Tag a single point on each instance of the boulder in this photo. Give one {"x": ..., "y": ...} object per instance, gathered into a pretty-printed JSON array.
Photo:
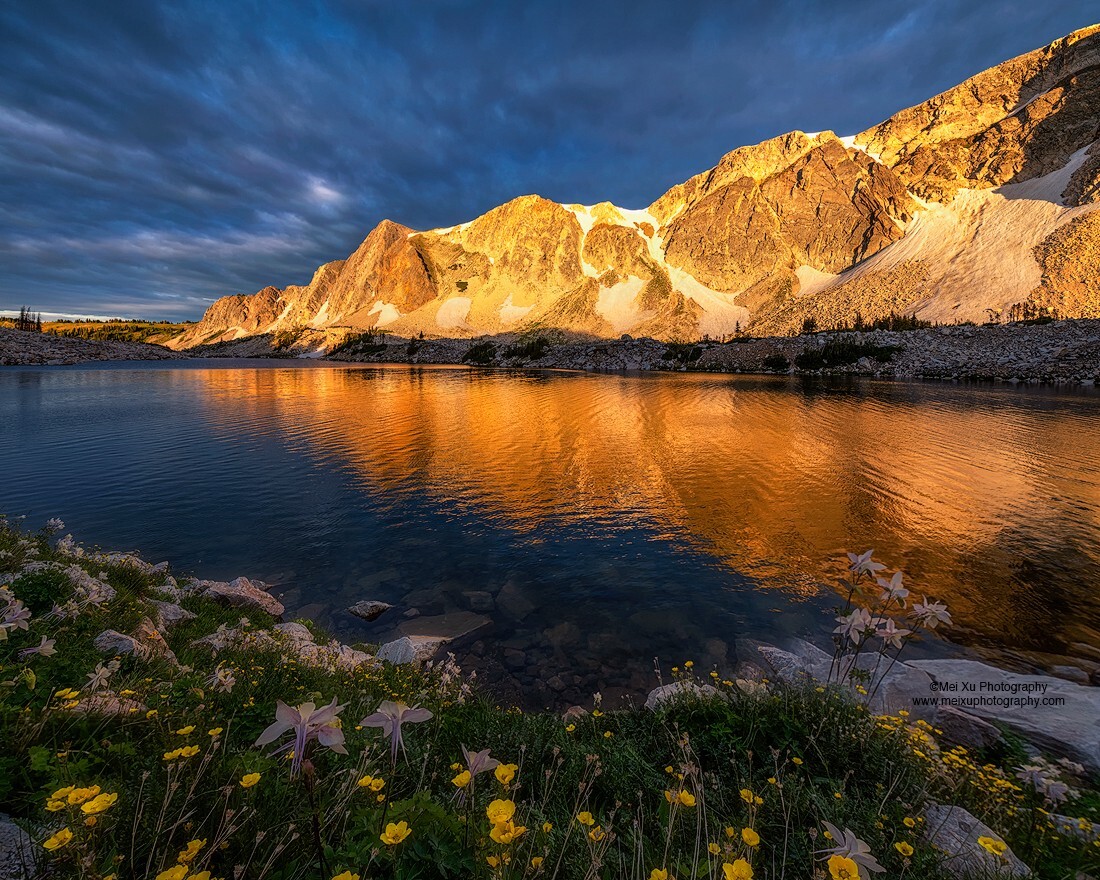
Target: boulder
[
  {"x": 1071, "y": 729},
  {"x": 452, "y": 627},
  {"x": 169, "y": 614},
  {"x": 966, "y": 730},
  {"x": 954, "y": 832},
  {"x": 479, "y": 600},
  {"x": 411, "y": 649},
  {"x": 112, "y": 643},
  {"x": 678, "y": 690},
  {"x": 243, "y": 593},
  {"x": 107, "y": 703},
  {"x": 17, "y": 852},
  {"x": 369, "y": 609}
]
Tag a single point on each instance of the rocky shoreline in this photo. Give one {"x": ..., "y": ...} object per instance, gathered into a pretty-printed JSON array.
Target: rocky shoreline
[
  {"x": 1058, "y": 352},
  {"x": 23, "y": 348}
]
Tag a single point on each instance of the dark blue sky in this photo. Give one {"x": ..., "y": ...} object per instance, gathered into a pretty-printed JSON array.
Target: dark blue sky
[{"x": 157, "y": 156}]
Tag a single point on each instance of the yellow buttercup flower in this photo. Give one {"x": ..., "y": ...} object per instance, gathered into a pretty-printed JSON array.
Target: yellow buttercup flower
[
  {"x": 249, "y": 780},
  {"x": 187, "y": 855},
  {"x": 909, "y": 822},
  {"x": 79, "y": 795},
  {"x": 54, "y": 806},
  {"x": 99, "y": 803},
  {"x": 507, "y": 832},
  {"x": 796, "y": 761},
  {"x": 395, "y": 833},
  {"x": 346, "y": 875},
  {"x": 739, "y": 870},
  {"x": 730, "y": 831},
  {"x": 492, "y": 861},
  {"x": 993, "y": 846},
  {"x": 178, "y": 872},
  {"x": 547, "y": 827},
  {"x": 215, "y": 731},
  {"x": 750, "y": 837},
  {"x": 462, "y": 779},
  {"x": 596, "y": 834},
  {"x": 536, "y": 862},
  {"x": 184, "y": 731},
  {"x": 713, "y": 848},
  {"x": 843, "y": 868},
  {"x": 202, "y": 875},
  {"x": 62, "y": 792},
  {"x": 904, "y": 848},
  {"x": 58, "y": 840},
  {"x": 658, "y": 874},
  {"x": 500, "y": 811},
  {"x": 569, "y": 728},
  {"x": 585, "y": 818},
  {"x": 746, "y": 795},
  {"x": 505, "y": 773}
]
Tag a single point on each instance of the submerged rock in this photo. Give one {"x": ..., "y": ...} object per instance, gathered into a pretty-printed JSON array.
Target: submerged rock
[{"x": 369, "y": 609}]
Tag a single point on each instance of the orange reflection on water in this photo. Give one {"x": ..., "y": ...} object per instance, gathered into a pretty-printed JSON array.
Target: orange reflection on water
[{"x": 982, "y": 496}]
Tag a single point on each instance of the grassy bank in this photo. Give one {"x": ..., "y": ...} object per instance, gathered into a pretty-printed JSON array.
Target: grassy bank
[{"x": 144, "y": 764}]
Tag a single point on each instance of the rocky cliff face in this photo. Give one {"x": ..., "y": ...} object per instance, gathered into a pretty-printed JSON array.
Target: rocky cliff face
[{"x": 953, "y": 210}]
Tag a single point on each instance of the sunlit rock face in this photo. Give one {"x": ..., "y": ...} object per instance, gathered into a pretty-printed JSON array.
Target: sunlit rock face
[{"x": 953, "y": 210}]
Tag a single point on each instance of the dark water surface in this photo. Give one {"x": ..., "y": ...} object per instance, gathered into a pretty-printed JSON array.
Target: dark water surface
[{"x": 611, "y": 519}]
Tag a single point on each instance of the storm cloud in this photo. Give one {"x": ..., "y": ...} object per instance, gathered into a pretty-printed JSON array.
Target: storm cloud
[{"x": 157, "y": 156}]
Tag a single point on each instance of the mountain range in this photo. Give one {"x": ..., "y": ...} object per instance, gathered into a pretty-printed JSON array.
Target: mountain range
[{"x": 967, "y": 206}]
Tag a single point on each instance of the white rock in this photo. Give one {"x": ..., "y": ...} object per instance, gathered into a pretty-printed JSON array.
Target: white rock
[
  {"x": 169, "y": 614},
  {"x": 243, "y": 593},
  {"x": 1071, "y": 729},
  {"x": 111, "y": 642},
  {"x": 17, "y": 852},
  {"x": 677, "y": 690},
  {"x": 954, "y": 832}
]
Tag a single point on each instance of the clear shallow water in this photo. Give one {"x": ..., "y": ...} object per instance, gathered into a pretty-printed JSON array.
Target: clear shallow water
[{"x": 613, "y": 518}]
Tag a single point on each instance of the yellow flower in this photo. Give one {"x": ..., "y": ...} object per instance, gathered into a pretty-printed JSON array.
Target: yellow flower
[
  {"x": 536, "y": 862},
  {"x": 908, "y": 822},
  {"x": 62, "y": 792},
  {"x": 585, "y": 818},
  {"x": 607, "y": 734},
  {"x": 175, "y": 873},
  {"x": 152, "y": 713},
  {"x": 687, "y": 798},
  {"x": 750, "y": 837},
  {"x": 772, "y": 780},
  {"x": 189, "y": 751},
  {"x": 66, "y": 694},
  {"x": 506, "y": 832},
  {"x": 658, "y": 874},
  {"x": 797, "y": 761},
  {"x": 547, "y": 827},
  {"x": 746, "y": 796},
  {"x": 394, "y": 834},
  {"x": 346, "y": 875},
  {"x": 843, "y": 868},
  {"x": 187, "y": 855},
  {"x": 993, "y": 846},
  {"x": 730, "y": 831},
  {"x": 492, "y": 861},
  {"x": 500, "y": 811},
  {"x": 58, "y": 840},
  {"x": 569, "y": 728},
  {"x": 837, "y": 795},
  {"x": 99, "y": 803},
  {"x": 54, "y": 806},
  {"x": 505, "y": 773},
  {"x": 904, "y": 848},
  {"x": 79, "y": 795},
  {"x": 596, "y": 834},
  {"x": 739, "y": 870},
  {"x": 184, "y": 731},
  {"x": 249, "y": 780},
  {"x": 215, "y": 731},
  {"x": 462, "y": 780},
  {"x": 202, "y": 875},
  {"x": 713, "y": 849}
]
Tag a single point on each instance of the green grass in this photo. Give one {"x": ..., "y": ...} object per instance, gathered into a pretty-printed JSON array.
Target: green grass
[{"x": 808, "y": 754}]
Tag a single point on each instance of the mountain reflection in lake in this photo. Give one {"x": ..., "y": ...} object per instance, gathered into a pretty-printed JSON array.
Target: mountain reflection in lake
[{"x": 583, "y": 525}]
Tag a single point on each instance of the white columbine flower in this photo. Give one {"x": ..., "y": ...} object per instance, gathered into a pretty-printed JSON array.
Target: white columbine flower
[
  {"x": 931, "y": 614},
  {"x": 862, "y": 563},
  {"x": 892, "y": 589}
]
